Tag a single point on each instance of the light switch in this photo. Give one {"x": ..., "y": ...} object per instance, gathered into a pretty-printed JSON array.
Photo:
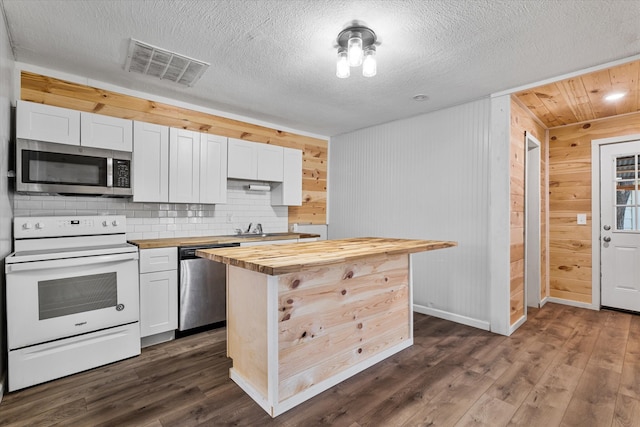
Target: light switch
[{"x": 582, "y": 219}]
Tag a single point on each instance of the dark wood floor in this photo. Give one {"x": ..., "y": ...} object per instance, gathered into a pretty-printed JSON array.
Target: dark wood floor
[{"x": 565, "y": 366}]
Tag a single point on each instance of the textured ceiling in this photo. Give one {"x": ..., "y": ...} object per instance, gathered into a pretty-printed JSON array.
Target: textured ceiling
[{"x": 274, "y": 60}]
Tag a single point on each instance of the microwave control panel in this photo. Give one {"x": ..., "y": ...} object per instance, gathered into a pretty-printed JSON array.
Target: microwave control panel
[{"x": 121, "y": 173}]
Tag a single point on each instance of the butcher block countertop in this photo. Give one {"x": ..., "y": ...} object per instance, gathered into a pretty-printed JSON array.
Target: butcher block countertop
[
  {"x": 209, "y": 240},
  {"x": 288, "y": 258}
]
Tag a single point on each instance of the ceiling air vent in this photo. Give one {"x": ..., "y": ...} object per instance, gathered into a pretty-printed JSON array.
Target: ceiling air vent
[{"x": 153, "y": 61}]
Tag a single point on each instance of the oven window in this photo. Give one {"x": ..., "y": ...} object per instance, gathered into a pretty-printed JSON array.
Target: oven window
[
  {"x": 56, "y": 168},
  {"x": 62, "y": 297}
]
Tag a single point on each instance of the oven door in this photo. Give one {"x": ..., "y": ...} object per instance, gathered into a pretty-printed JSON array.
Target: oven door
[{"x": 48, "y": 300}]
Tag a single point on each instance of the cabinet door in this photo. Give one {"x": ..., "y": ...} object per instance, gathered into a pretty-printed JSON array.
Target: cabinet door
[
  {"x": 112, "y": 133},
  {"x": 46, "y": 123},
  {"x": 158, "y": 302},
  {"x": 213, "y": 169},
  {"x": 150, "y": 163},
  {"x": 242, "y": 162},
  {"x": 289, "y": 191},
  {"x": 270, "y": 161},
  {"x": 184, "y": 166},
  {"x": 158, "y": 259}
]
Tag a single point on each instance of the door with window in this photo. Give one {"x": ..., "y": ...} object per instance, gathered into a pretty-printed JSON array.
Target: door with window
[{"x": 620, "y": 225}]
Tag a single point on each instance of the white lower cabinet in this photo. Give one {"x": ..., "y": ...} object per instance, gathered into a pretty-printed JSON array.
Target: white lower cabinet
[{"x": 158, "y": 293}]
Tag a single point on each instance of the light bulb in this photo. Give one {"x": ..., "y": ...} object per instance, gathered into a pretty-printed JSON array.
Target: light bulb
[
  {"x": 369, "y": 67},
  {"x": 354, "y": 49},
  {"x": 342, "y": 66}
]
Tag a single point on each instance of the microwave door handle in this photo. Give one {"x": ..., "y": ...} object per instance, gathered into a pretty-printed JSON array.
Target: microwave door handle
[
  {"x": 70, "y": 262},
  {"x": 110, "y": 172}
]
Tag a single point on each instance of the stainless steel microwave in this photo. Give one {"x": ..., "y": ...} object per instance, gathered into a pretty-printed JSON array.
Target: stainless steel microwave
[{"x": 47, "y": 167}]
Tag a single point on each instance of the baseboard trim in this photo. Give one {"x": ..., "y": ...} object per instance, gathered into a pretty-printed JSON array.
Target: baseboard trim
[
  {"x": 544, "y": 301},
  {"x": 516, "y": 325},
  {"x": 469, "y": 321},
  {"x": 573, "y": 303}
]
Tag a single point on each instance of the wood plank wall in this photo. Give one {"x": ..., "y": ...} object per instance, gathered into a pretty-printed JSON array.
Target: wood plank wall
[
  {"x": 569, "y": 194},
  {"x": 521, "y": 121},
  {"x": 52, "y": 91}
]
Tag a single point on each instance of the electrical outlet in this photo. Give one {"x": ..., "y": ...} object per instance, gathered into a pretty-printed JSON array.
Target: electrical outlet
[{"x": 582, "y": 219}]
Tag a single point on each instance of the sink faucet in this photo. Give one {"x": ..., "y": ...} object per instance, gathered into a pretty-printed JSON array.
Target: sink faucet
[
  {"x": 258, "y": 228},
  {"x": 249, "y": 228}
]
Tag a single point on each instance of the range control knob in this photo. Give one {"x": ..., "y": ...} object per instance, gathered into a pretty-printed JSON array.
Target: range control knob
[
  {"x": 26, "y": 226},
  {"x": 115, "y": 223},
  {"x": 105, "y": 223},
  {"x": 39, "y": 225}
]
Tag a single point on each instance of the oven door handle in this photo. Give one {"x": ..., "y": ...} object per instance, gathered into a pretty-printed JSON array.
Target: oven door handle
[{"x": 71, "y": 262}]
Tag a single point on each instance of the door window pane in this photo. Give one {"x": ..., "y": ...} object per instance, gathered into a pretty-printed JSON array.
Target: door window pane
[
  {"x": 625, "y": 218},
  {"x": 62, "y": 297},
  {"x": 626, "y": 190}
]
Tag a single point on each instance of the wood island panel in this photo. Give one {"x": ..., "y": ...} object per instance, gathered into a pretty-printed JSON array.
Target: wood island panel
[
  {"x": 334, "y": 318},
  {"x": 247, "y": 333},
  {"x": 302, "y": 317}
]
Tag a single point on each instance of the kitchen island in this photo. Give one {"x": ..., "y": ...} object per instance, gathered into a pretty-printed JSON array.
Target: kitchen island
[{"x": 303, "y": 317}]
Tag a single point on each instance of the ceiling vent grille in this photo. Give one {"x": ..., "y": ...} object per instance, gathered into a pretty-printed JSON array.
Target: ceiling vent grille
[{"x": 150, "y": 60}]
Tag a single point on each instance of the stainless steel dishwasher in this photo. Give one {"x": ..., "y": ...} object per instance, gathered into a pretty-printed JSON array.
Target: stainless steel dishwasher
[{"x": 202, "y": 287}]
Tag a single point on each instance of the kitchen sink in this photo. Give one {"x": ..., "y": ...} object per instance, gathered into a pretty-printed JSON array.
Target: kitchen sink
[{"x": 248, "y": 235}]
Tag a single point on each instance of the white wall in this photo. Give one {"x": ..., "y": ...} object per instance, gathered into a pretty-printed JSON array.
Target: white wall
[
  {"x": 6, "y": 98},
  {"x": 426, "y": 177}
]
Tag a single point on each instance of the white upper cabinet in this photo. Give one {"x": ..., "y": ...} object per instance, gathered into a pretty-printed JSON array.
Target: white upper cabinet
[
  {"x": 197, "y": 167},
  {"x": 54, "y": 124},
  {"x": 150, "y": 163},
  {"x": 108, "y": 132},
  {"x": 254, "y": 161},
  {"x": 184, "y": 166},
  {"x": 242, "y": 159},
  {"x": 46, "y": 123},
  {"x": 213, "y": 169},
  {"x": 289, "y": 191},
  {"x": 270, "y": 162}
]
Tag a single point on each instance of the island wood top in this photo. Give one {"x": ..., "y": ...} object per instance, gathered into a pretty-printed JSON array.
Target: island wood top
[
  {"x": 294, "y": 257},
  {"x": 210, "y": 240}
]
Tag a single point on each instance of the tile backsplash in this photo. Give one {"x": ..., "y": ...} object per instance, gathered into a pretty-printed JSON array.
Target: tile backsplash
[{"x": 158, "y": 220}]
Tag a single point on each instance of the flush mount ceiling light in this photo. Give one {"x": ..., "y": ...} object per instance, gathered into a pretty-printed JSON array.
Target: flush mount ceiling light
[
  {"x": 614, "y": 96},
  {"x": 356, "y": 47},
  {"x": 156, "y": 62}
]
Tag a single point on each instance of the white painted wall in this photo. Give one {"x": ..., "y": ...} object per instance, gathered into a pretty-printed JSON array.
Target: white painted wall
[
  {"x": 6, "y": 99},
  {"x": 425, "y": 177}
]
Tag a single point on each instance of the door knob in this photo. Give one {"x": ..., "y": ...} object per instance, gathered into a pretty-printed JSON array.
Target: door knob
[
  {"x": 607, "y": 239},
  {"x": 607, "y": 227}
]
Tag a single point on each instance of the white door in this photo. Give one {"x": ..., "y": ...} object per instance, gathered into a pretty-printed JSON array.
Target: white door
[{"x": 620, "y": 225}]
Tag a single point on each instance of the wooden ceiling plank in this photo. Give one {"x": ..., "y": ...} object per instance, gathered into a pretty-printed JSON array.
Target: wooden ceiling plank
[
  {"x": 552, "y": 97},
  {"x": 531, "y": 100},
  {"x": 576, "y": 98},
  {"x": 598, "y": 85},
  {"x": 623, "y": 78}
]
